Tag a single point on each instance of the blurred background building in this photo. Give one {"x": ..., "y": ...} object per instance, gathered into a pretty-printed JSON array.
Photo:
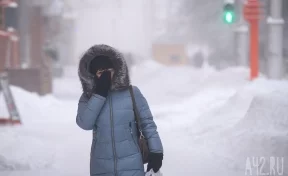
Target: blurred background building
[
  {"x": 199, "y": 24},
  {"x": 40, "y": 37},
  {"x": 45, "y": 41}
]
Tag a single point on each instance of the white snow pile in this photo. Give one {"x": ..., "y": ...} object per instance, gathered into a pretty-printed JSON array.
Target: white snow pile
[
  {"x": 252, "y": 123},
  {"x": 263, "y": 132},
  {"x": 29, "y": 146},
  {"x": 23, "y": 151}
]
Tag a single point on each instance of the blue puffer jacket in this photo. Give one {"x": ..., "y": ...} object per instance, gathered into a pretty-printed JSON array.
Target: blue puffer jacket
[{"x": 115, "y": 150}]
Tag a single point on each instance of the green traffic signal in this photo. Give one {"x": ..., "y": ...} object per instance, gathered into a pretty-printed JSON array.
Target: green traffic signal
[
  {"x": 229, "y": 13},
  {"x": 229, "y": 17}
]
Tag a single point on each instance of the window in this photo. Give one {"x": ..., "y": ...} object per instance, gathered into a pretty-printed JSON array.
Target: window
[
  {"x": 11, "y": 18},
  {"x": 1, "y": 18}
]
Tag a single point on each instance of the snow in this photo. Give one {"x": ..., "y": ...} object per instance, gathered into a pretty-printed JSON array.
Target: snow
[{"x": 209, "y": 121}]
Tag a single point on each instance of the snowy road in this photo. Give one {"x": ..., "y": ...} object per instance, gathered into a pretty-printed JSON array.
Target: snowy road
[{"x": 201, "y": 115}]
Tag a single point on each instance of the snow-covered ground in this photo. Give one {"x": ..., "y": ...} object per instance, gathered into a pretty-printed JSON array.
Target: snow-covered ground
[{"x": 210, "y": 123}]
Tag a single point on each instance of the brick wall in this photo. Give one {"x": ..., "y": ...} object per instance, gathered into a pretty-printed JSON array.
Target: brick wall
[{"x": 32, "y": 80}]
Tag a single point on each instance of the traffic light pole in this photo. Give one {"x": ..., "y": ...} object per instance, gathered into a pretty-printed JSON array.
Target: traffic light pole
[
  {"x": 252, "y": 15},
  {"x": 254, "y": 49}
]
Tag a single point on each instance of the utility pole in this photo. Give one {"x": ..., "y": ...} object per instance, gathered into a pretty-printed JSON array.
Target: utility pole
[
  {"x": 241, "y": 38},
  {"x": 275, "y": 46}
]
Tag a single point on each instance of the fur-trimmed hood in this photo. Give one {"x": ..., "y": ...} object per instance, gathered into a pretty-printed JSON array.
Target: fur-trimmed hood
[{"x": 120, "y": 79}]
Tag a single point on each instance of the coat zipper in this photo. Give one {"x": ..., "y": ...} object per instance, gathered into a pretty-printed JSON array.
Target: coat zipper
[
  {"x": 92, "y": 148},
  {"x": 93, "y": 142},
  {"x": 131, "y": 132},
  {"x": 112, "y": 135}
]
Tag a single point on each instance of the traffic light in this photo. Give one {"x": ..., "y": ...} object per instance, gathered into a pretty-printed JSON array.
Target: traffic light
[{"x": 229, "y": 12}]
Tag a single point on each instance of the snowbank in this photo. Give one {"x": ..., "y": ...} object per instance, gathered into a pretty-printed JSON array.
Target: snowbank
[
  {"x": 28, "y": 103},
  {"x": 252, "y": 123},
  {"x": 263, "y": 131},
  {"x": 22, "y": 150},
  {"x": 30, "y": 145},
  {"x": 243, "y": 99}
]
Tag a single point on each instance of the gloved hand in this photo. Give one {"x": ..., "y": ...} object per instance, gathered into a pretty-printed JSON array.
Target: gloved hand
[
  {"x": 155, "y": 162},
  {"x": 103, "y": 84}
]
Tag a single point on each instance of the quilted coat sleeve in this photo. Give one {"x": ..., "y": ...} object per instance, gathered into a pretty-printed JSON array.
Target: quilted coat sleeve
[
  {"x": 148, "y": 125},
  {"x": 88, "y": 111}
]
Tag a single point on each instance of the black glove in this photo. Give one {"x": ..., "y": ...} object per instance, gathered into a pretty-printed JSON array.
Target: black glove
[
  {"x": 103, "y": 84},
  {"x": 155, "y": 161}
]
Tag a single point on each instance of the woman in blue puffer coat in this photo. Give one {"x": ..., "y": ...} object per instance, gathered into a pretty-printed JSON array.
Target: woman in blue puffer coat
[{"x": 106, "y": 108}]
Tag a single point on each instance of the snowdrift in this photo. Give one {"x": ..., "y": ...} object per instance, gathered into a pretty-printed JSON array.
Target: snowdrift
[
  {"x": 263, "y": 132},
  {"x": 28, "y": 103},
  {"x": 252, "y": 123},
  {"x": 30, "y": 145}
]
